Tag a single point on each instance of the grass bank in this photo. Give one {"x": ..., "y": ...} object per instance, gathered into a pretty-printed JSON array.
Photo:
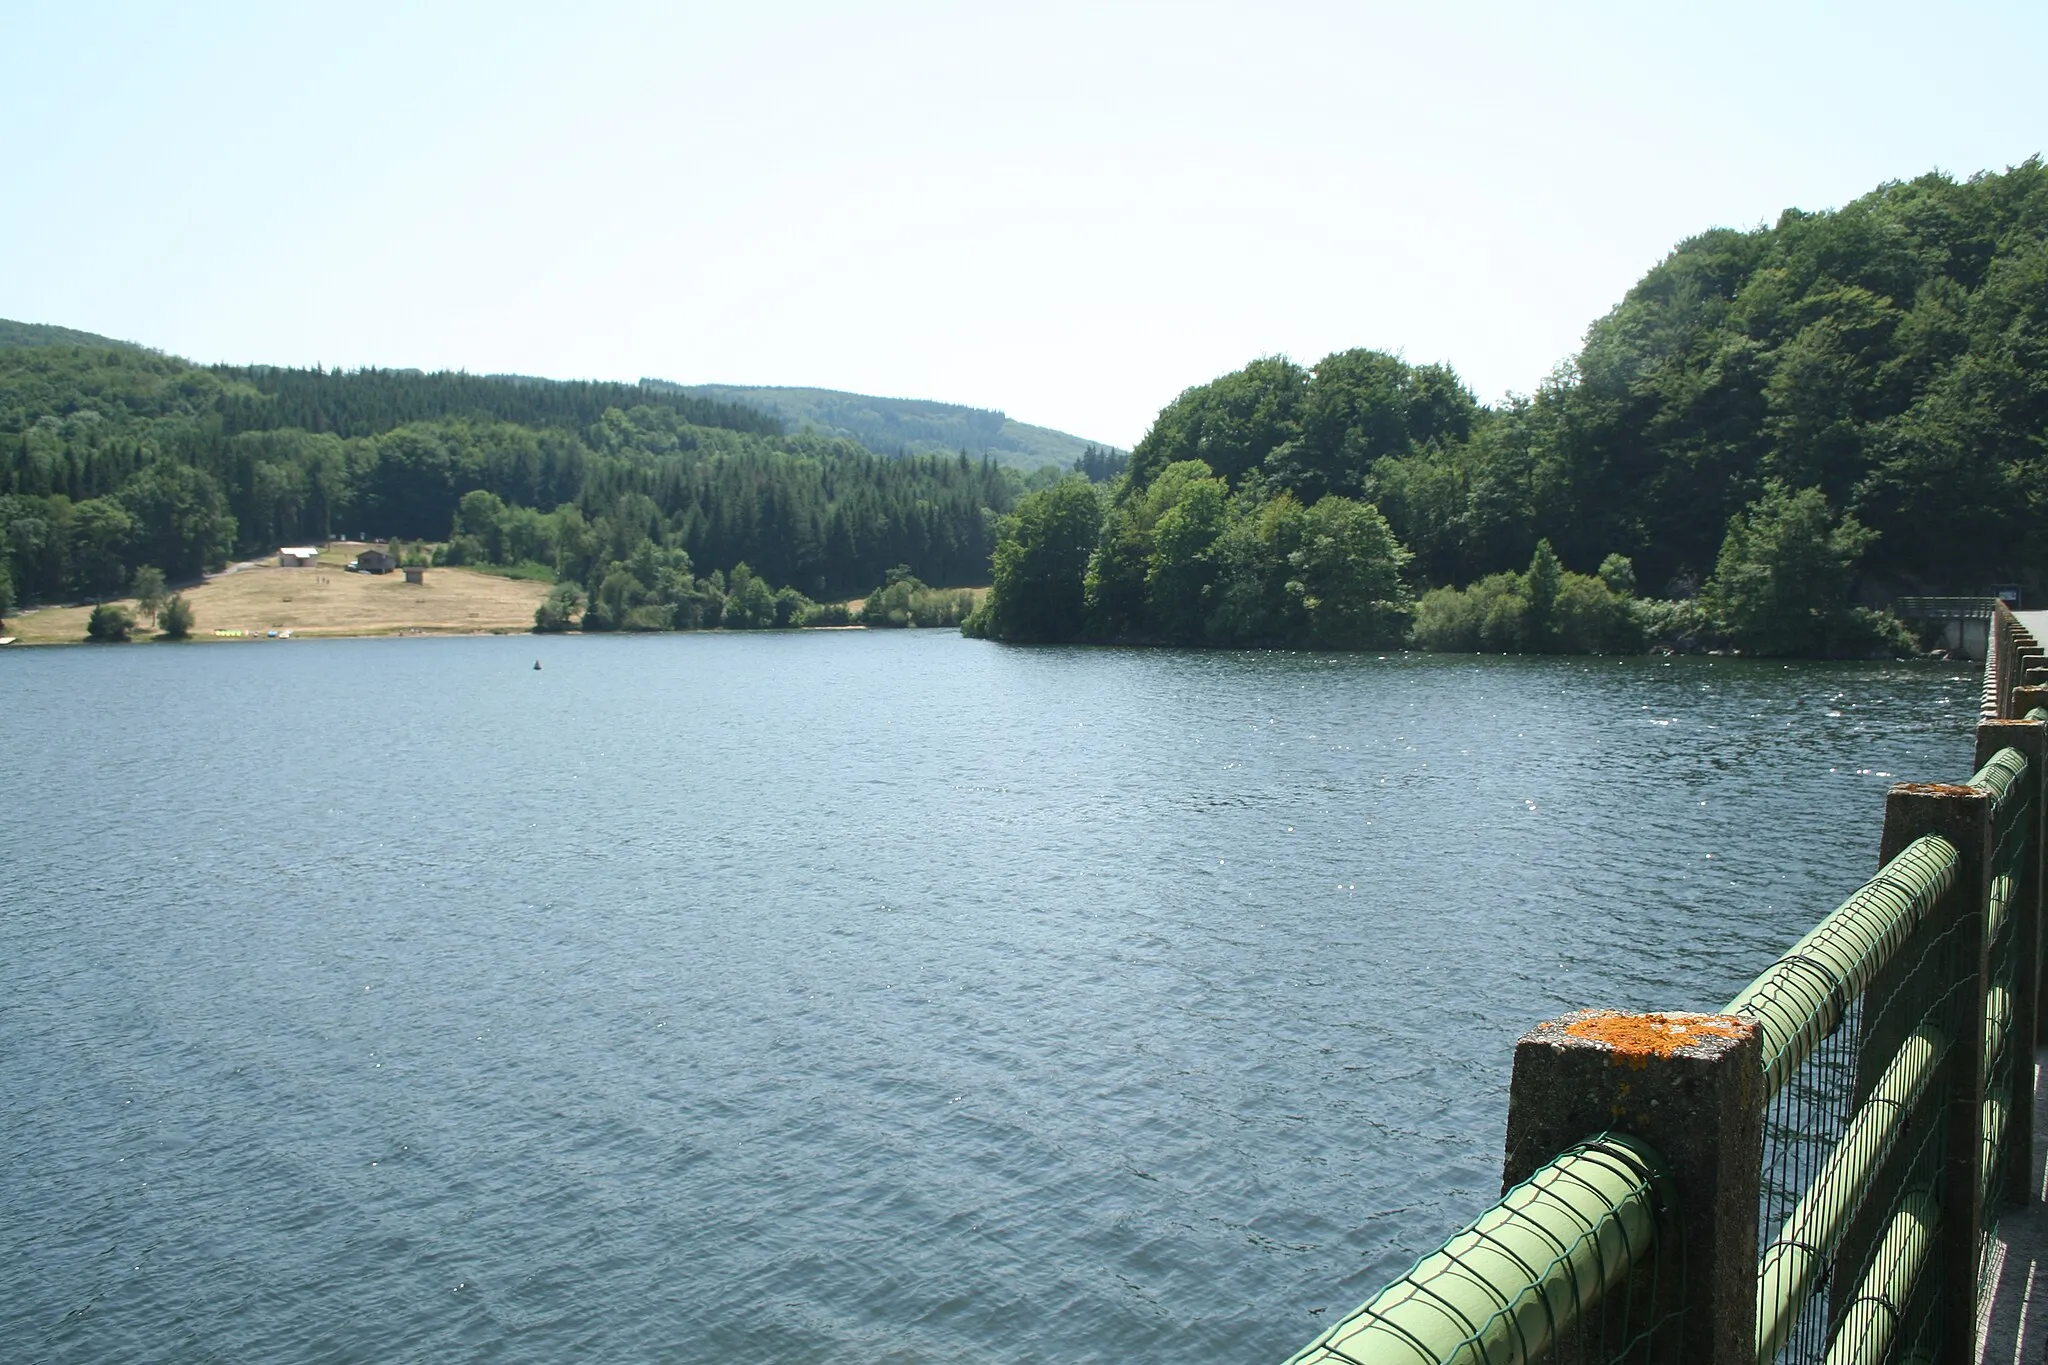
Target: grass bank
[{"x": 323, "y": 600}]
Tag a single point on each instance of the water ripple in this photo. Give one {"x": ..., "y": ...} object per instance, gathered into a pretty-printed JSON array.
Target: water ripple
[{"x": 890, "y": 997}]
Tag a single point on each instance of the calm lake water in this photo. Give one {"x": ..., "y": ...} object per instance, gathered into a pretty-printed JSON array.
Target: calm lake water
[{"x": 879, "y": 998}]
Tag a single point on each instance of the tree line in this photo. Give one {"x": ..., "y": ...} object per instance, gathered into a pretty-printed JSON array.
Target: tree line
[
  {"x": 1773, "y": 431},
  {"x": 115, "y": 459}
]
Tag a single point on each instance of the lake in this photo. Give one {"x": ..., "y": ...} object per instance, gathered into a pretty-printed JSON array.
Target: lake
[{"x": 879, "y": 997}]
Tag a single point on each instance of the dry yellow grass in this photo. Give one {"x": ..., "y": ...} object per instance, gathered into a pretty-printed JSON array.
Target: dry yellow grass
[{"x": 325, "y": 600}]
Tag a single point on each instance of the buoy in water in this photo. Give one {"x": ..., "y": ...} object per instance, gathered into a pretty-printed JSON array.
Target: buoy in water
[{"x": 536, "y": 665}]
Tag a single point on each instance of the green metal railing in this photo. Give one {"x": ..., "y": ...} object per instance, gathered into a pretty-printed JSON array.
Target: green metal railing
[
  {"x": 1525, "y": 1275},
  {"x": 1804, "y": 996},
  {"x": 1862, "y": 1086},
  {"x": 1870, "y": 1326},
  {"x": 1966, "y": 608},
  {"x": 1800, "y": 1258},
  {"x": 1885, "y": 933}
]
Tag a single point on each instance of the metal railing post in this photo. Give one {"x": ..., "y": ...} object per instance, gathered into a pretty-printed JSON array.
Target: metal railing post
[
  {"x": 1963, "y": 816},
  {"x": 1691, "y": 1086}
]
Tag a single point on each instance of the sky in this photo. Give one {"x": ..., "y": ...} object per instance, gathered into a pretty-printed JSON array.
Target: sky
[{"x": 1068, "y": 212}]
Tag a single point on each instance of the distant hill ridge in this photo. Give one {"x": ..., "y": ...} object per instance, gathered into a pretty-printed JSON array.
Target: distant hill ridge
[
  {"x": 911, "y": 426},
  {"x": 647, "y": 500},
  {"x": 15, "y": 335},
  {"x": 887, "y": 426}
]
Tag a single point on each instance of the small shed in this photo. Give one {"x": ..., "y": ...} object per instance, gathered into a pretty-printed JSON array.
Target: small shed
[
  {"x": 297, "y": 556},
  {"x": 415, "y": 574},
  {"x": 375, "y": 561}
]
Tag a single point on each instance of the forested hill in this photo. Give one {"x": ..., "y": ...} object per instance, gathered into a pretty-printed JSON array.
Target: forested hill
[
  {"x": 893, "y": 426},
  {"x": 1851, "y": 401},
  {"x": 45, "y": 334},
  {"x": 1892, "y": 353},
  {"x": 116, "y": 458},
  {"x": 368, "y": 402}
]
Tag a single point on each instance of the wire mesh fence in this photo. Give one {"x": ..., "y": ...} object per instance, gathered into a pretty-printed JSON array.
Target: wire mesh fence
[
  {"x": 1865, "y": 1007},
  {"x": 1891, "y": 1100}
]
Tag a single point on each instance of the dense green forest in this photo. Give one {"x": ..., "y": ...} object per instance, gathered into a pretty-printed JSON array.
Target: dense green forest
[
  {"x": 1774, "y": 432},
  {"x": 13, "y": 334},
  {"x": 1772, "y": 426},
  {"x": 112, "y": 459},
  {"x": 905, "y": 426}
]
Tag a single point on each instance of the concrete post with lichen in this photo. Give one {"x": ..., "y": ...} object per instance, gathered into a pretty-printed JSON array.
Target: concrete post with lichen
[{"x": 1691, "y": 1087}]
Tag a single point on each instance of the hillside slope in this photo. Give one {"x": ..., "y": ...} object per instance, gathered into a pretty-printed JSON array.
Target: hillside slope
[
  {"x": 14, "y": 335},
  {"x": 115, "y": 458},
  {"x": 910, "y": 426}
]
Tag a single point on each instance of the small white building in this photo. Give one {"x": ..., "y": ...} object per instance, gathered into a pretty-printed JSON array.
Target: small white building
[{"x": 297, "y": 556}]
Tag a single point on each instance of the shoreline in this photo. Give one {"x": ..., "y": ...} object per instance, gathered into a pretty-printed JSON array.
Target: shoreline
[
  {"x": 428, "y": 633},
  {"x": 258, "y": 600}
]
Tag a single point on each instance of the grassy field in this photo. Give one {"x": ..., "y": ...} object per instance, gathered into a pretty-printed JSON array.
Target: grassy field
[{"x": 324, "y": 600}]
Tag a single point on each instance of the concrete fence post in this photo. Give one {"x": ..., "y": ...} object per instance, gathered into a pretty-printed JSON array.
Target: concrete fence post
[
  {"x": 2012, "y": 681},
  {"x": 2030, "y": 669},
  {"x": 1690, "y": 1086},
  {"x": 1961, "y": 815},
  {"x": 2017, "y": 660},
  {"x": 2031, "y": 739}
]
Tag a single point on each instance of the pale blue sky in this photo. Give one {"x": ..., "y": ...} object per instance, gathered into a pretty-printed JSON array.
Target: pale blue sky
[{"x": 1070, "y": 212}]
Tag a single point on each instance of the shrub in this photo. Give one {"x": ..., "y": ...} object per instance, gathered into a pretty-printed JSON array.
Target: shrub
[
  {"x": 1618, "y": 572},
  {"x": 1447, "y": 620},
  {"x": 825, "y": 614},
  {"x": 1544, "y": 611},
  {"x": 176, "y": 618},
  {"x": 1683, "y": 624},
  {"x": 1868, "y": 633},
  {"x": 1488, "y": 616},
  {"x": 649, "y": 616},
  {"x": 109, "y": 624},
  {"x": 903, "y": 601},
  {"x": 749, "y": 601},
  {"x": 461, "y": 549},
  {"x": 557, "y": 612},
  {"x": 1594, "y": 619},
  {"x": 791, "y": 606},
  {"x": 1781, "y": 583}
]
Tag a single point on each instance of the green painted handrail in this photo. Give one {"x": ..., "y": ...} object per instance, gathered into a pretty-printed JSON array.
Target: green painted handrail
[
  {"x": 1996, "y": 905},
  {"x": 1790, "y": 1266},
  {"x": 1503, "y": 1289},
  {"x": 1802, "y": 996},
  {"x": 1997, "y": 1023},
  {"x": 1991, "y": 1142},
  {"x": 1872, "y": 1318},
  {"x": 2001, "y": 776}
]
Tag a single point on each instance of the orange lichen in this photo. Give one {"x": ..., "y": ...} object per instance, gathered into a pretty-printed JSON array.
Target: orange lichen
[
  {"x": 1934, "y": 789},
  {"x": 1636, "y": 1038}
]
